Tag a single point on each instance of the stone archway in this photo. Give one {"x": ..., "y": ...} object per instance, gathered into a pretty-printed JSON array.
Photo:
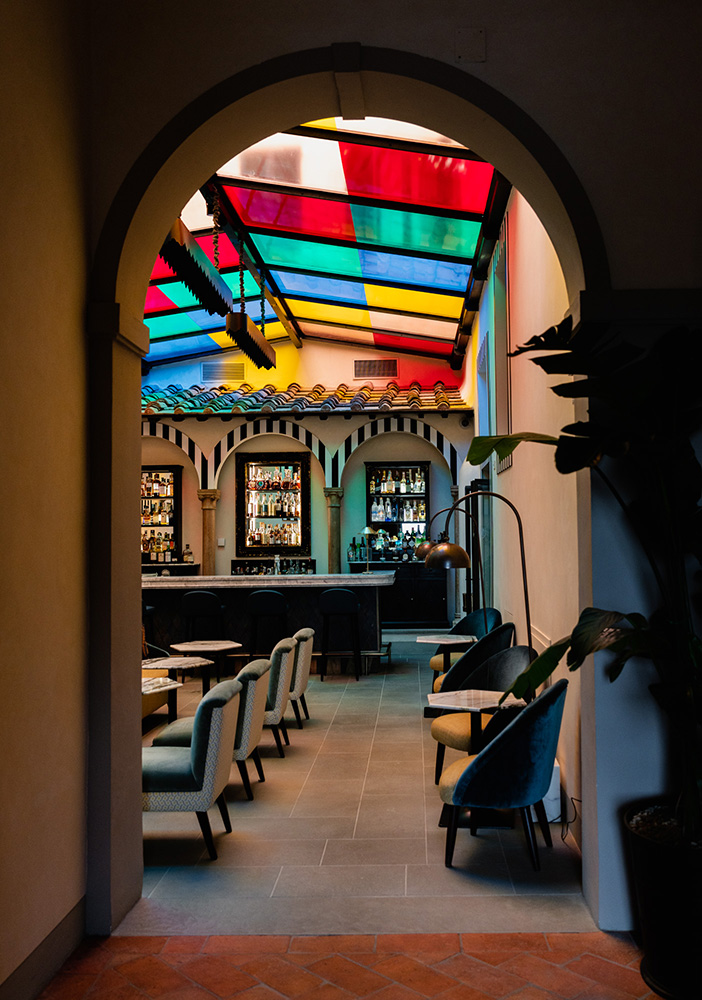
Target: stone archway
[{"x": 226, "y": 119}]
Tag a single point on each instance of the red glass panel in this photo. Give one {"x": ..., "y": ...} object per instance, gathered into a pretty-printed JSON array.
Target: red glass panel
[
  {"x": 156, "y": 301},
  {"x": 396, "y": 342},
  {"x": 293, "y": 213},
  {"x": 228, "y": 257},
  {"x": 416, "y": 178},
  {"x": 161, "y": 270}
]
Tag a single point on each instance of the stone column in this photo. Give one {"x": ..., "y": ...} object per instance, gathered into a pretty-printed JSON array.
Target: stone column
[
  {"x": 334, "y": 495},
  {"x": 208, "y": 499}
]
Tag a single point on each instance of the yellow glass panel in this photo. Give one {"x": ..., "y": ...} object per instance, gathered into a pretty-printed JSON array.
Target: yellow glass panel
[
  {"x": 329, "y": 313},
  {"x": 322, "y": 123},
  {"x": 405, "y": 300}
]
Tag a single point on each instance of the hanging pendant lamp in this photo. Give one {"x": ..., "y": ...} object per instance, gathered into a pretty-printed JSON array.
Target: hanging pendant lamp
[{"x": 242, "y": 329}]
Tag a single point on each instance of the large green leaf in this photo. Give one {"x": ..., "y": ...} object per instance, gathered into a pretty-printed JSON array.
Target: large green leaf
[{"x": 503, "y": 445}]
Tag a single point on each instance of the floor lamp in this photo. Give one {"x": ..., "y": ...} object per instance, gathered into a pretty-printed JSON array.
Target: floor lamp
[{"x": 445, "y": 554}]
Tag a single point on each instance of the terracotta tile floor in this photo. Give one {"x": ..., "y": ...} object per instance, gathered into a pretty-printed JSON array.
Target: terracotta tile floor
[{"x": 533, "y": 966}]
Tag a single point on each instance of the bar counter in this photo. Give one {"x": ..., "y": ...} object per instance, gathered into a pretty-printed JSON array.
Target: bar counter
[{"x": 166, "y": 625}]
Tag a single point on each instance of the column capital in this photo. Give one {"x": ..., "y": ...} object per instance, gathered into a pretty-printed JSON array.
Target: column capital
[
  {"x": 454, "y": 493},
  {"x": 209, "y": 498},
  {"x": 333, "y": 493}
]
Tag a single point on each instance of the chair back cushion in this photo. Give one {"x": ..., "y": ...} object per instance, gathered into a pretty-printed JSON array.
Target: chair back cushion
[
  {"x": 266, "y": 602},
  {"x": 515, "y": 768},
  {"x": 200, "y": 604},
  {"x": 252, "y": 706},
  {"x": 213, "y": 730},
  {"x": 500, "y": 670},
  {"x": 474, "y": 622},
  {"x": 500, "y": 638},
  {"x": 338, "y": 601},
  {"x": 282, "y": 660},
  {"x": 303, "y": 662}
]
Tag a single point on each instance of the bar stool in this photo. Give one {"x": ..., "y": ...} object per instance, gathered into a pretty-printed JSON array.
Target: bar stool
[
  {"x": 339, "y": 603},
  {"x": 271, "y": 606},
  {"x": 204, "y": 615},
  {"x": 204, "y": 618}
]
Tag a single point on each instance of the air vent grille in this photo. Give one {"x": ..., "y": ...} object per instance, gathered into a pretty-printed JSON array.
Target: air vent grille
[
  {"x": 379, "y": 368},
  {"x": 214, "y": 372}
]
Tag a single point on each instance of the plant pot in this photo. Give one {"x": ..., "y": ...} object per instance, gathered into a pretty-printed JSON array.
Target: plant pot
[{"x": 668, "y": 885}]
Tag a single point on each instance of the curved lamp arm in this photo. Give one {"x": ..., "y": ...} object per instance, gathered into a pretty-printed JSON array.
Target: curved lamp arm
[
  {"x": 497, "y": 496},
  {"x": 425, "y": 548}
]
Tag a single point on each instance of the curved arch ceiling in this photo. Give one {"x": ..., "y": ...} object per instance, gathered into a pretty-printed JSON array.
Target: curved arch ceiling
[{"x": 371, "y": 233}]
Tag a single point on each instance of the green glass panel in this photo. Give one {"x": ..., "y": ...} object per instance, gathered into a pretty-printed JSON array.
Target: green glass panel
[
  {"x": 167, "y": 326},
  {"x": 412, "y": 231},
  {"x": 231, "y": 279},
  {"x": 277, "y": 251},
  {"x": 179, "y": 295}
]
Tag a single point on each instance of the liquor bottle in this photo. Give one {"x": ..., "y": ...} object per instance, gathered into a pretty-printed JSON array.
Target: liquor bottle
[
  {"x": 388, "y": 511},
  {"x": 403, "y": 484},
  {"x": 384, "y": 483},
  {"x": 371, "y": 487},
  {"x": 391, "y": 483}
]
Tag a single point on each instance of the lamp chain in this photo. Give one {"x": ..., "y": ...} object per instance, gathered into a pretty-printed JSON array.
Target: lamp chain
[
  {"x": 216, "y": 219},
  {"x": 242, "y": 300}
]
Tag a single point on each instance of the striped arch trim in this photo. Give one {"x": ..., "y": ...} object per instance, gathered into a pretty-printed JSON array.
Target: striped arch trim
[
  {"x": 155, "y": 428},
  {"x": 405, "y": 425},
  {"x": 268, "y": 425}
]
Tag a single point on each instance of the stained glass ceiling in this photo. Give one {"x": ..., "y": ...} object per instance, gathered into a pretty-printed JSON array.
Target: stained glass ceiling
[{"x": 372, "y": 233}]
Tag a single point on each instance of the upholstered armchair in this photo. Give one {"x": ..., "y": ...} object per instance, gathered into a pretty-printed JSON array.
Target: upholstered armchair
[
  {"x": 193, "y": 778},
  {"x": 513, "y": 771}
]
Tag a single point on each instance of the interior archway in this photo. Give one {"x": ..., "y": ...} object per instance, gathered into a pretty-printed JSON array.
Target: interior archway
[{"x": 228, "y": 119}]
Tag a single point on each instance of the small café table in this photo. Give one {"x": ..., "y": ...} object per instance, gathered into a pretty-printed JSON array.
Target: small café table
[
  {"x": 171, "y": 684},
  {"x": 448, "y": 641},
  {"x": 216, "y": 648}
]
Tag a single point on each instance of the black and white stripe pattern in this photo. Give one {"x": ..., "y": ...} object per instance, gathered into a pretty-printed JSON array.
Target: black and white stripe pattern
[
  {"x": 403, "y": 425},
  {"x": 269, "y": 425},
  {"x": 209, "y": 468},
  {"x": 155, "y": 428}
]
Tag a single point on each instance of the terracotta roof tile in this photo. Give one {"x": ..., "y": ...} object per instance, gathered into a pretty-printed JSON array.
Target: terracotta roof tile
[{"x": 221, "y": 400}]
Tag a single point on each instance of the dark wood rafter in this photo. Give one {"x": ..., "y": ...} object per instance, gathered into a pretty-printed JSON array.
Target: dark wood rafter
[{"x": 237, "y": 232}]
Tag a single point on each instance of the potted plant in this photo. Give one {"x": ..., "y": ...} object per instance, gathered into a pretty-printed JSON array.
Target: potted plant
[{"x": 645, "y": 407}]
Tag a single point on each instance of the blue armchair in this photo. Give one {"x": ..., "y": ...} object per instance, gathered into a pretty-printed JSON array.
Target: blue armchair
[
  {"x": 513, "y": 771},
  {"x": 455, "y": 677}
]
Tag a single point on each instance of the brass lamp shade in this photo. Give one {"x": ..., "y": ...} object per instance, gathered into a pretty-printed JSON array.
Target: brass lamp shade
[
  {"x": 447, "y": 555},
  {"x": 423, "y": 550}
]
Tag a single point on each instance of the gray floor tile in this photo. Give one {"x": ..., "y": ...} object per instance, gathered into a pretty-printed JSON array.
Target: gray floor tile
[
  {"x": 392, "y": 851},
  {"x": 338, "y": 880}
]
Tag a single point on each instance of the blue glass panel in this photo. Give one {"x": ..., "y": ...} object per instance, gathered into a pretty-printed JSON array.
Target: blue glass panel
[
  {"x": 160, "y": 350},
  {"x": 318, "y": 286},
  {"x": 281, "y": 252}
]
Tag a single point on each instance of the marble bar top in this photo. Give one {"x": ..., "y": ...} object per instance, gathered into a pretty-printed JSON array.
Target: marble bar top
[{"x": 373, "y": 579}]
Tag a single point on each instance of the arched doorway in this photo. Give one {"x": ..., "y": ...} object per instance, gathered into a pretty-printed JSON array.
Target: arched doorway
[{"x": 225, "y": 120}]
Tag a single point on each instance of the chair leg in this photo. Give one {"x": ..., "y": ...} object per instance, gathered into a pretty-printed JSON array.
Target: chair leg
[
  {"x": 355, "y": 638},
  {"x": 244, "y": 772},
  {"x": 439, "y": 766},
  {"x": 284, "y": 731},
  {"x": 325, "y": 648},
  {"x": 278, "y": 741},
  {"x": 224, "y": 812},
  {"x": 540, "y": 810},
  {"x": 451, "y": 831},
  {"x": 530, "y": 836},
  {"x": 296, "y": 710},
  {"x": 304, "y": 706},
  {"x": 256, "y": 758},
  {"x": 204, "y": 821}
]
